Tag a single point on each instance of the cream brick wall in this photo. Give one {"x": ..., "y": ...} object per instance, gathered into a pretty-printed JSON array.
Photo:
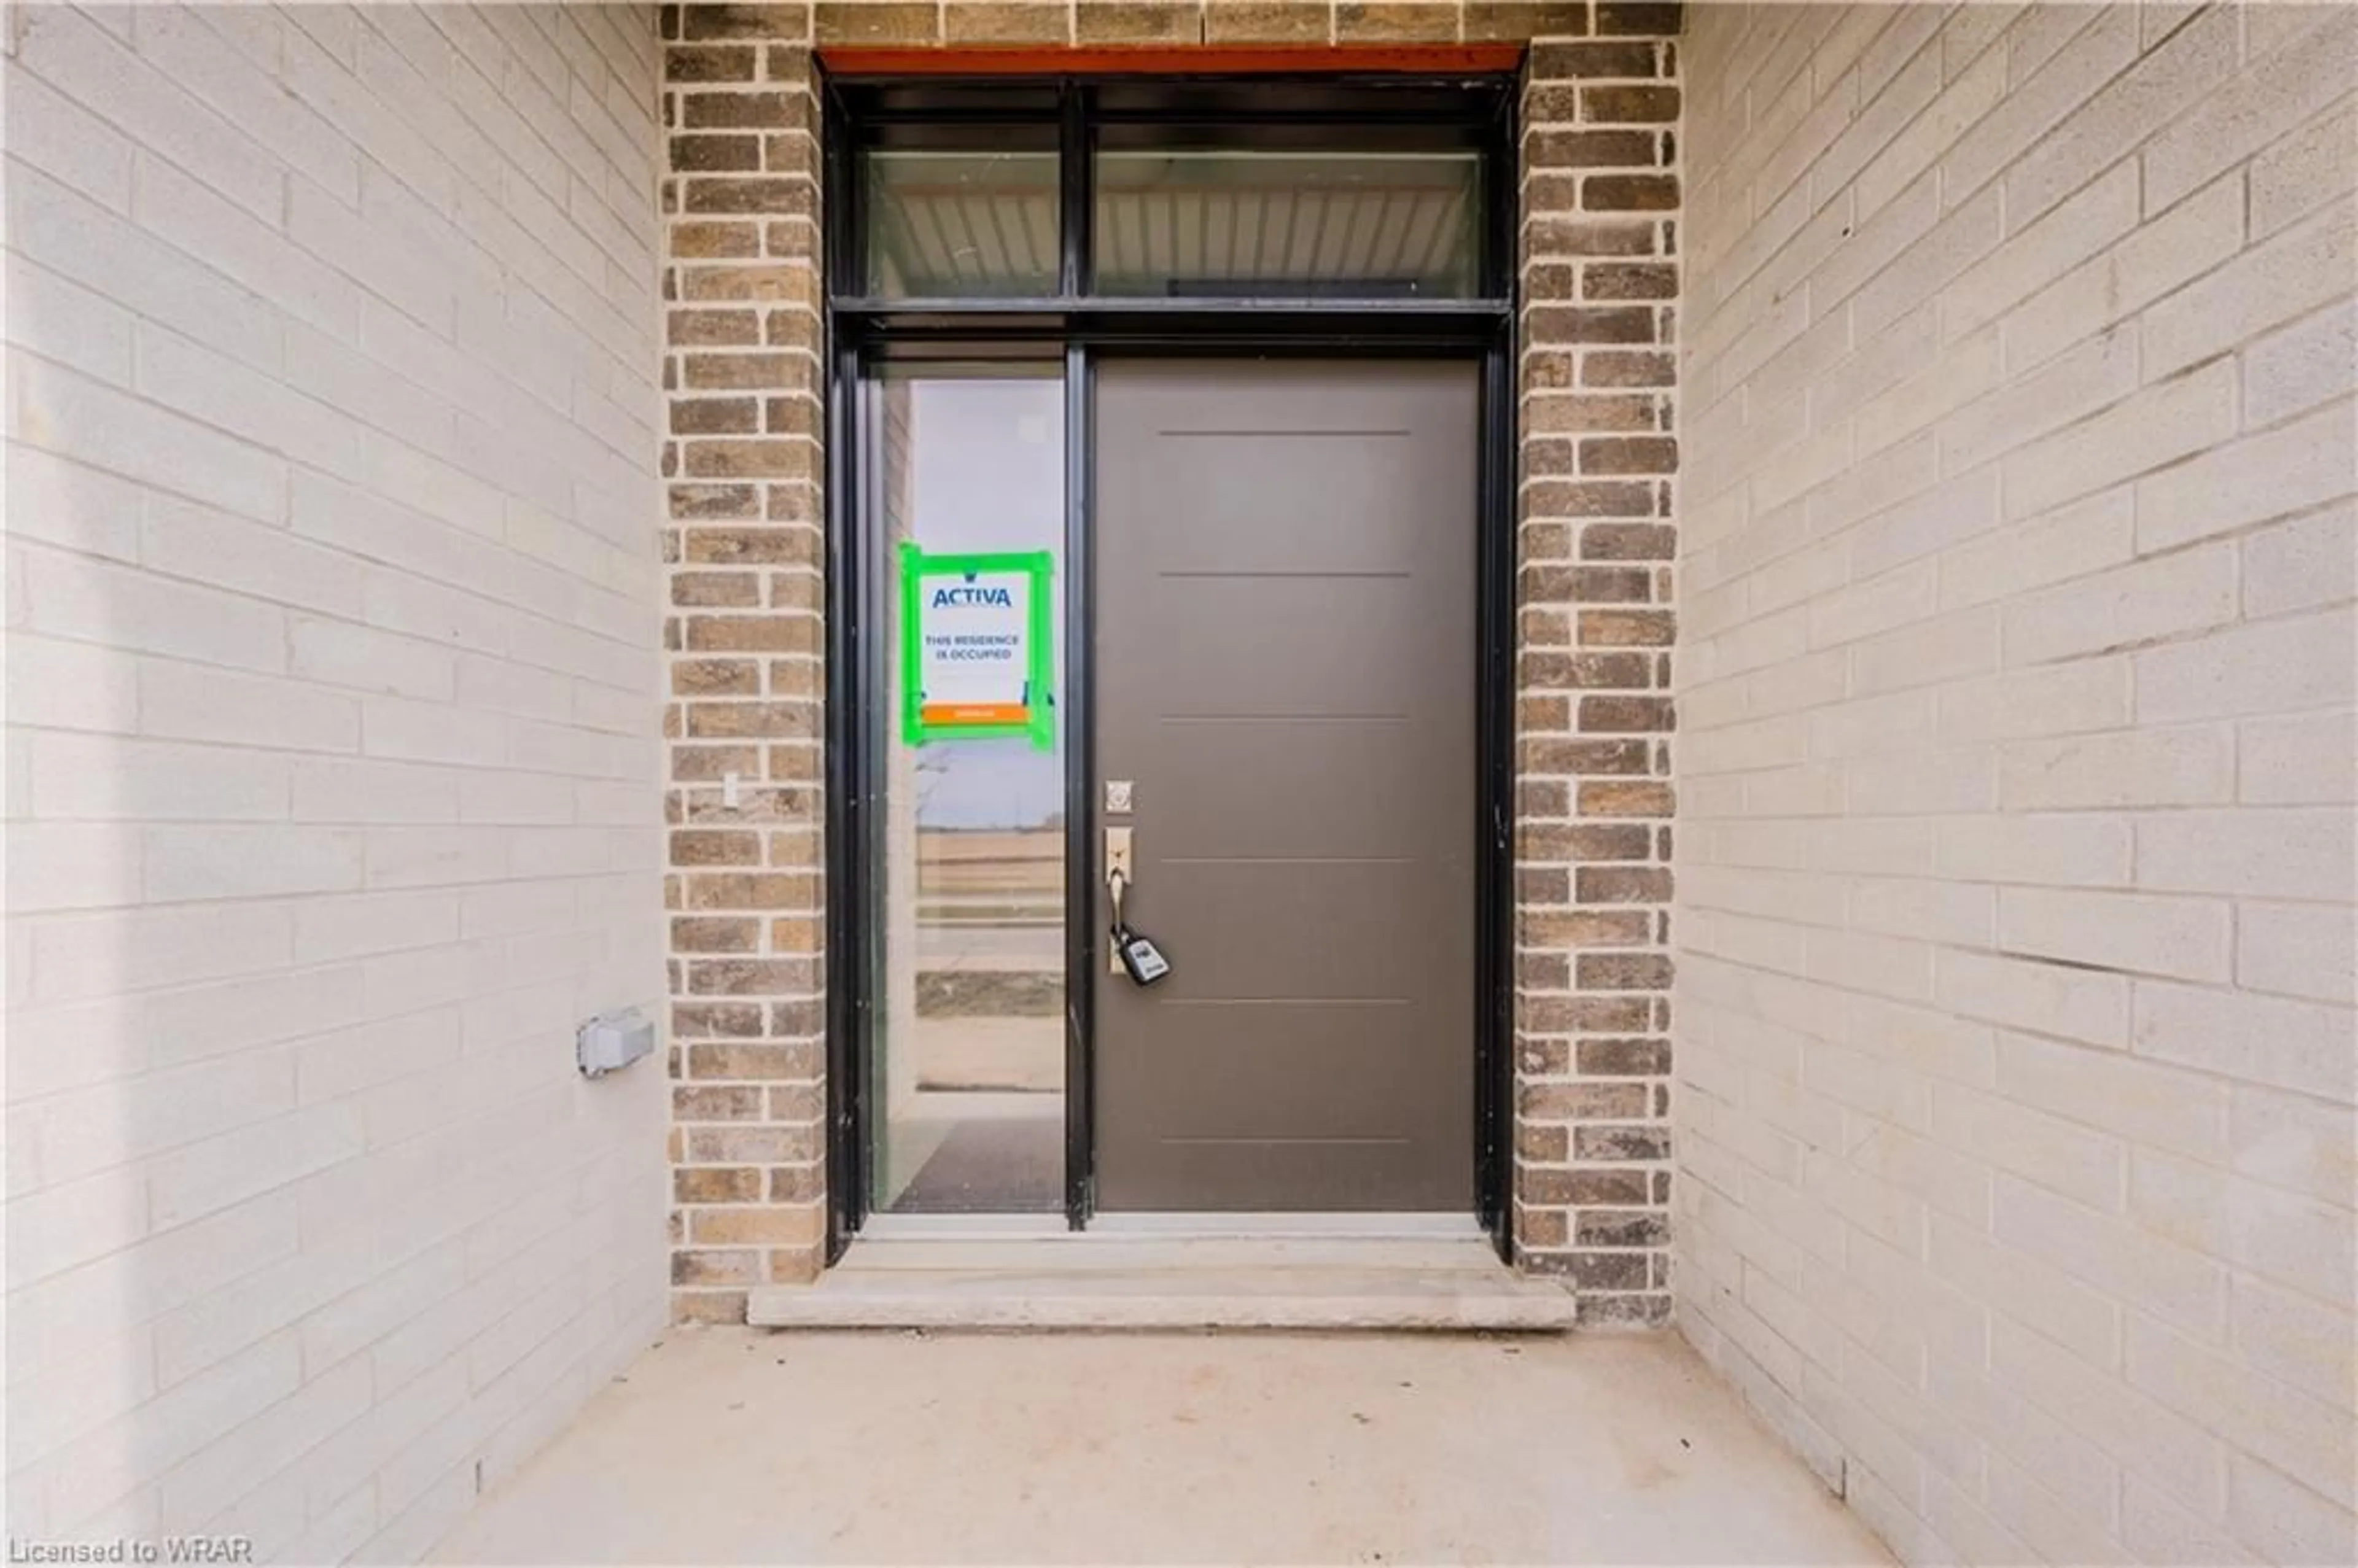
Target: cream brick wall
[
  {"x": 2014, "y": 994},
  {"x": 335, "y": 771}
]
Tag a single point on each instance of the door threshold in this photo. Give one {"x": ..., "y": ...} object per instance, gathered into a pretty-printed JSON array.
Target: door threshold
[
  {"x": 1458, "y": 1225},
  {"x": 1194, "y": 1226},
  {"x": 1095, "y": 1281}
]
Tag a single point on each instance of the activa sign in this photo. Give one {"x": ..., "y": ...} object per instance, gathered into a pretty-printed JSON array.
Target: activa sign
[
  {"x": 972, "y": 598},
  {"x": 974, "y": 647}
]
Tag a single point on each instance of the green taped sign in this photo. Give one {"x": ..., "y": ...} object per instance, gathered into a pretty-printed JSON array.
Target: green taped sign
[{"x": 975, "y": 657}]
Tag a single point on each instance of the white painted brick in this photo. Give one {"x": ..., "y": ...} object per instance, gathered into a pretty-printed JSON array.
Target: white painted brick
[
  {"x": 2037, "y": 100},
  {"x": 2153, "y": 1105},
  {"x": 2302, "y": 565},
  {"x": 335, "y": 790},
  {"x": 57, "y": 410},
  {"x": 2162, "y": 423},
  {"x": 1947, "y": 912},
  {"x": 76, "y": 597},
  {"x": 2288, "y": 275},
  {"x": 66, "y": 505},
  {"x": 2169, "y": 1279},
  {"x": 188, "y": 702},
  {"x": 2273, "y": 666},
  {"x": 2296, "y": 1339},
  {"x": 332, "y": 928},
  {"x": 2287, "y": 1237},
  {"x": 60, "y": 320},
  {"x": 76, "y": 57},
  {"x": 196, "y": 1490},
  {"x": 2233, "y": 486},
  {"x": 254, "y": 406},
  {"x": 337, "y": 652},
  {"x": 2305, "y": 170},
  {"x": 397, "y": 728},
  {"x": 2297, "y": 949},
  {"x": 114, "y": 258},
  {"x": 77, "y": 1316},
  {"x": 354, "y": 383},
  {"x": 116, "y": 1124},
  {"x": 2047, "y": 999},
  {"x": 2133, "y": 1427},
  {"x": 2310, "y": 360},
  {"x": 2076, "y": 849},
  {"x": 72, "y": 1222},
  {"x": 257, "y": 1159},
  {"x": 2084, "y": 225},
  {"x": 2285, "y": 1521},
  {"x": 2079, "y": 539},
  {"x": 2283, "y": 90},
  {"x": 189, "y": 52},
  {"x": 2156, "y": 1527},
  {"x": 138, "y": 1447},
  {"x": 2149, "y": 95},
  {"x": 108, "y": 778},
  {"x": 2165, "y": 597},
  {"x": 1966, "y": 371},
  {"x": 2253, "y": 1039},
  {"x": 70, "y": 1398},
  {"x": 183, "y": 863},
  {"x": 2180, "y": 937},
  {"x": 2062, "y": 1311},
  {"x": 2066, "y": 698},
  {"x": 58, "y": 865},
  {"x": 2191, "y": 766},
  {"x": 123, "y": 951},
  {"x": 392, "y": 265},
  {"x": 2163, "y": 255},
  {"x": 50, "y": 132},
  {"x": 2310, "y": 1439},
  {"x": 2277, "y": 853},
  {"x": 185, "y": 541},
  {"x": 1963, "y": 236},
  {"x": 251, "y": 251},
  {"x": 2098, "y": 373},
  {"x": 1933, "y": 521},
  {"x": 2057, "y": 1530}
]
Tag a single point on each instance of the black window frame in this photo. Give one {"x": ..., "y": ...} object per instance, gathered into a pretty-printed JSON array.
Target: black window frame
[{"x": 1477, "y": 111}]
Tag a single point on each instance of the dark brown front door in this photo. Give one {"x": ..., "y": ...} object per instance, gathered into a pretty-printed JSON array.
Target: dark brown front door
[{"x": 1286, "y": 660}]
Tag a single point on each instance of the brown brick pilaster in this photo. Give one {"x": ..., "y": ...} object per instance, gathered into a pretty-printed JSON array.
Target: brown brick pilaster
[
  {"x": 742, "y": 368},
  {"x": 1600, "y": 196}
]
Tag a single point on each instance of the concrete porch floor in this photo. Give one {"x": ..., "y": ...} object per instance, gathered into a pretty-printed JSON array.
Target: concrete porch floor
[{"x": 742, "y": 1446}]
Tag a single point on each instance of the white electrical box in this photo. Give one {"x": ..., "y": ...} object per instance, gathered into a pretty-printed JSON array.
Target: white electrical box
[{"x": 612, "y": 1039}]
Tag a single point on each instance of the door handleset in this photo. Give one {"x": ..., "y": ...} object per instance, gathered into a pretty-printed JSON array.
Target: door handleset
[{"x": 1130, "y": 952}]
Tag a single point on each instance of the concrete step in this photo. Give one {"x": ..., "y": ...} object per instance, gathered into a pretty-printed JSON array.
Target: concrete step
[{"x": 1179, "y": 1283}]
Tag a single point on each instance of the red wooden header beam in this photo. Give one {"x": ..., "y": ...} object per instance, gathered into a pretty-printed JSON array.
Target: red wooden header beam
[{"x": 1193, "y": 60}]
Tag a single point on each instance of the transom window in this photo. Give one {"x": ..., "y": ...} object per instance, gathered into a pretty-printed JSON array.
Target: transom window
[{"x": 1114, "y": 191}]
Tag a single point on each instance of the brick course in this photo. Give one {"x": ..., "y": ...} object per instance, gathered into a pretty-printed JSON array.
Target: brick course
[
  {"x": 1599, "y": 271},
  {"x": 2016, "y": 1049},
  {"x": 1598, "y": 240},
  {"x": 334, "y": 790},
  {"x": 742, "y": 282}
]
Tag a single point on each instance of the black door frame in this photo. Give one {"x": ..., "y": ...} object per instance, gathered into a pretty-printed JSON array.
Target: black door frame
[{"x": 1072, "y": 326}]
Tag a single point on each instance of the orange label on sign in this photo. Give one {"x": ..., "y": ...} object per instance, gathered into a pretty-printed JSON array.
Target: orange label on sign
[{"x": 975, "y": 713}]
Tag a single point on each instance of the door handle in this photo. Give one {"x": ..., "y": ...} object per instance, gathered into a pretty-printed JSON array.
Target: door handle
[
  {"x": 1117, "y": 879},
  {"x": 1133, "y": 953}
]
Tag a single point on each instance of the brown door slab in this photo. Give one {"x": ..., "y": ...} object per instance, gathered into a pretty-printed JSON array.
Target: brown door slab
[{"x": 1286, "y": 669}]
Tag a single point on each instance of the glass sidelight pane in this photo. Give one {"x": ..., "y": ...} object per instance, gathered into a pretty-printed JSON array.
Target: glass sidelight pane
[
  {"x": 1313, "y": 225},
  {"x": 975, "y": 224},
  {"x": 968, "y": 1070}
]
